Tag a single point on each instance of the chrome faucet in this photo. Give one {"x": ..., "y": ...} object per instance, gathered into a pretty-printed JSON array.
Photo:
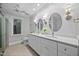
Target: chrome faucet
[{"x": 52, "y": 34}]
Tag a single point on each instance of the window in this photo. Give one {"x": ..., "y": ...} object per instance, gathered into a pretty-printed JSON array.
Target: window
[{"x": 17, "y": 26}]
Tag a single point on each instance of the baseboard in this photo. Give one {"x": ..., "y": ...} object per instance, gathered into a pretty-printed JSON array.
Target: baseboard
[
  {"x": 33, "y": 51},
  {"x": 17, "y": 42}
]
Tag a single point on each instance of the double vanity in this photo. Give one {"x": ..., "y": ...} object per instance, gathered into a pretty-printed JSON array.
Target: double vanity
[
  {"x": 47, "y": 45},
  {"x": 52, "y": 45}
]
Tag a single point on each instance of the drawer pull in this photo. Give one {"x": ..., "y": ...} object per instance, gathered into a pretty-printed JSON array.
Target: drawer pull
[{"x": 65, "y": 49}]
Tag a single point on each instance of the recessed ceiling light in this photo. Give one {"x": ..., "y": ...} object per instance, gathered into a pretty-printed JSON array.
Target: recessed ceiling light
[
  {"x": 34, "y": 9},
  {"x": 38, "y": 4},
  {"x": 45, "y": 15}
]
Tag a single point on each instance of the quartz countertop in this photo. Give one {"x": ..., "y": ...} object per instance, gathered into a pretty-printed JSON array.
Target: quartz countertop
[{"x": 68, "y": 40}]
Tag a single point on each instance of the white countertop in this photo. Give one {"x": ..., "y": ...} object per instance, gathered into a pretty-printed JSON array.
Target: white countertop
[{"x": 72, "y": 41}]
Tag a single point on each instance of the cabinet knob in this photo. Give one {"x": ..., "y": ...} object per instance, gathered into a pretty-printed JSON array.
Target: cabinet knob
[{"x": 65, "y": 49}]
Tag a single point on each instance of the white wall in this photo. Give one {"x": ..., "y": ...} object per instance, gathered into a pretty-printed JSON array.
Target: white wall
[
  {"x": 69, "y": 28},
  {"x": 13, "y": 39}
]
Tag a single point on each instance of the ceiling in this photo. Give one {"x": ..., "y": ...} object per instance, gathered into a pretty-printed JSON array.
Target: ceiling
[{"x": 23, "y": 8}]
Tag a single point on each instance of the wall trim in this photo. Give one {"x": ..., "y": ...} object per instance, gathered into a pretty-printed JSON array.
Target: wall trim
[{"x": 16, "y": 42}]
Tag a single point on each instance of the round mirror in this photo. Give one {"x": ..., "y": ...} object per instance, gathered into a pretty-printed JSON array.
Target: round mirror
[{"x": 55, "y": 22}]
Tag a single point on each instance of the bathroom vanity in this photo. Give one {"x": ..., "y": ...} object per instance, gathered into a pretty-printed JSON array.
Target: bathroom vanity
[
  {"x": 52, "y": 45},
  {"x": 46, "y": 45}
]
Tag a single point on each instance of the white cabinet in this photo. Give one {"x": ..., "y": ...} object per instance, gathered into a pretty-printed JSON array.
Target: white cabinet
[
  {"x": 32, "y": 42},
  {"x": 47, "y": 47},
  {"x": 42, "y": 50},
  {"x": 67, "y": 50},
  {"x": 42, "y": 46}
]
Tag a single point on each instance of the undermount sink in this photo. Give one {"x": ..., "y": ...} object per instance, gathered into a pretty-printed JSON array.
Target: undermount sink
[{"x": 47, "y": 35}]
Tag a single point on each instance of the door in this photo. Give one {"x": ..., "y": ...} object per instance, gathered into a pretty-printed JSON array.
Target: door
[
  {"x": 0, "y": 34},
  {"x": 3, "y": 33}
]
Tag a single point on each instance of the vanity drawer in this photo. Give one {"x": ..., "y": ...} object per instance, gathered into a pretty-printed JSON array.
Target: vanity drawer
[{"x": 67, "y": 49}]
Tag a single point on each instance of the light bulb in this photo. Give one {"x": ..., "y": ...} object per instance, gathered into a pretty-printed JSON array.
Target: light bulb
[{"x": 38, "y": 4}]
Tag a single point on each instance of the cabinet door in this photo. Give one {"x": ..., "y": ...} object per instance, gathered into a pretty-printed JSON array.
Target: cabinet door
[
  {"x": 41, "y": 47},
  {"x": 48, "y": 47},
  {"x": 52, "y": 51},
  {"x": 67, "y": 50},
  {"x": 32, "y": 41},
  {"x": 37, "y": 45},
  {"x": 51, "y": 47}
]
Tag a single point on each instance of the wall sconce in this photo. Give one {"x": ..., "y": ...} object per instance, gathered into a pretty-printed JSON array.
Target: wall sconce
[
  {"x": 76, "y": 20},
  {"x": 45, "y": 16},
  {"x": 68, "y": 12}
]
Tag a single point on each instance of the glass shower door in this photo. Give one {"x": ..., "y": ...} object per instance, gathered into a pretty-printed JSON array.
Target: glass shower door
[
  {"x": 3, "y": 33},
  {"x": 0, "y": 34}
]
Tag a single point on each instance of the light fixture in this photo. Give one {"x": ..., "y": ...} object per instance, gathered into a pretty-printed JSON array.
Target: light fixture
[
  {"x": 68, "y": 12},
  {"x": 38, "y": 4},
  {"x": 76, "y": 20},
  {"x": 36, "y": 20},
  {"x": 45, "y": 16},
  {"x": 34, "y": 9}
]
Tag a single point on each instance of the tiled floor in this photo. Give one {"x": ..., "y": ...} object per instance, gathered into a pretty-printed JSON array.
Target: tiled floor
[{"x": 18, "y": 50}]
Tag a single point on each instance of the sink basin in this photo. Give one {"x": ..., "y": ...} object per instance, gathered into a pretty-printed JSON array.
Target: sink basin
[{"x": 48, "y": 35}]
